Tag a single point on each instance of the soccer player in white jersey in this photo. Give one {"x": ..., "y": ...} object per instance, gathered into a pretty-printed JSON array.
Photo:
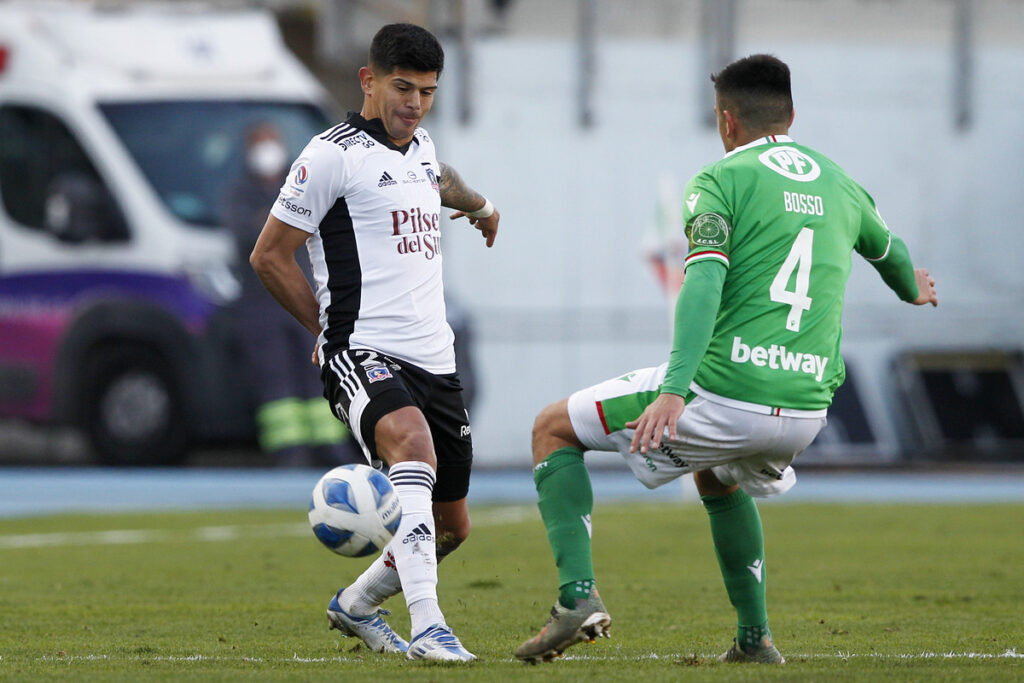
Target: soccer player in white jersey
[
  {"x": 365, "y": 199},
  {"x": 755, "y": 357}
]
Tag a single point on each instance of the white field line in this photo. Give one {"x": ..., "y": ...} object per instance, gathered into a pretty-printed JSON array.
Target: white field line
[
  {"x": 483, "y": 518},
  {"x": 790, "y": 657},
  {"x": 1008, "y": 654}
]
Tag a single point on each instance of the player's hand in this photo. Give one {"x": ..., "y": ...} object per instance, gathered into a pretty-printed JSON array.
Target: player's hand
[
  {"x": 650, "y": 426},
  {"x": 487, "y": 226},
  {"x": 925, "y": 287},
  {"x": 316, "y": 355}
]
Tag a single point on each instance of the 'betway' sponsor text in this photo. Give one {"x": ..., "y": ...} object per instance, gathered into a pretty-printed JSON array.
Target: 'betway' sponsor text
[{"x": 778, "y": 357}]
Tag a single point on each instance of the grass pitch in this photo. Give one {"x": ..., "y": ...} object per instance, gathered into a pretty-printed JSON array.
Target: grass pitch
[{"x": 855, "y": 593}]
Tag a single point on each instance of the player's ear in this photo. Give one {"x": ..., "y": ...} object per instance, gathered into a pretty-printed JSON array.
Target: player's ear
[
  {"x": 730, "y": 124},
  {"x": 366, "y": 80}
]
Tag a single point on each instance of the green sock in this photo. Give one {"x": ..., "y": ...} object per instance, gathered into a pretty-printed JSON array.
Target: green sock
[
  {"x": 739, "y": 545},
  {"x": 566, "y": 500}
]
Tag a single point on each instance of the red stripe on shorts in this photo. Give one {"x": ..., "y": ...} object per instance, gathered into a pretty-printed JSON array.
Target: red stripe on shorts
[{"x": 600, "y": 414}]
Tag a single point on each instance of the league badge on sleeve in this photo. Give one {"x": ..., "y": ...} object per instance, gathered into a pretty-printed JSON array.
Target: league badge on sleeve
[
  {"x": 708, "y": 230},
  {"x": 297, "y": 178}
]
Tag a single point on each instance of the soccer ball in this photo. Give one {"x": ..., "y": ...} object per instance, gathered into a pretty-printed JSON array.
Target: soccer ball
[{"x": 354, "y": 510}]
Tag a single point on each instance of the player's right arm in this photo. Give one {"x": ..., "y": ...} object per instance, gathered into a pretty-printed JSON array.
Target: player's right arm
[
  {"x": 273, "y": 259},
  {"x": 889, "y": 256},
  {"x": 316, "y": 180}
]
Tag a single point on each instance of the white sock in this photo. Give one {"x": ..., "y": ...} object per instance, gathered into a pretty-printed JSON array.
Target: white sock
[
  {"x": 423, "y": 614},
  {"x": 375, "y": 585},
  {"x": 413, "y": 546},
  {"x": 379, "y": 582}
]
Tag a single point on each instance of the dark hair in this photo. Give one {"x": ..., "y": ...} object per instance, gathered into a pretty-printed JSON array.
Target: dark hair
[
  {"x": 756, "y": 90},
  {"x": 405, "y": 46}
]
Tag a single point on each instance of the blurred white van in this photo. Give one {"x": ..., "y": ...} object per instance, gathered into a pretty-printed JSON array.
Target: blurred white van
[{"x": 119, "y": 130}]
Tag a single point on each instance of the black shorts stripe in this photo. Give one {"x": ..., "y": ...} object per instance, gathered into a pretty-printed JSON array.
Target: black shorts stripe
[
  {"x": 344, "y": 370},
  {"x": 344, "y": 378}
]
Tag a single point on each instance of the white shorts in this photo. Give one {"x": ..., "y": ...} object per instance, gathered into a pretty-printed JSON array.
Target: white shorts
[{"x": 743, "y": 444}]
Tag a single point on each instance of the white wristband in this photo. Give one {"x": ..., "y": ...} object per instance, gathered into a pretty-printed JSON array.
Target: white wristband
[{"x": 484, "y": 211}]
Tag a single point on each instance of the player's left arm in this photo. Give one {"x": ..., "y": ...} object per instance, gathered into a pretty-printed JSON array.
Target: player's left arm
[
  {"x": 888, "y": 254},
  {"x": 456, "y": 194},
  {"x": 696, "y": 312}
]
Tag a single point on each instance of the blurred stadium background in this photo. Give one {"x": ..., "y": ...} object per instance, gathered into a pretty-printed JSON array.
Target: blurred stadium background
[{"x": 582, "y": 120}]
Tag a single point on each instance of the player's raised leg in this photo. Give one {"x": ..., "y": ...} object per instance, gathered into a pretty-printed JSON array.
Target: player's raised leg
[
  {"x": 739, "y": 544},
  {"x": 566, "y": 501}
]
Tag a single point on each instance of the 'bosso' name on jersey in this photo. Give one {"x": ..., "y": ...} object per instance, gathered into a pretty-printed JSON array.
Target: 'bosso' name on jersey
[
  {"x": 294, "y": 208},
  {"x": 810, "y": 204},
  {"x": 419, "y": 232}
]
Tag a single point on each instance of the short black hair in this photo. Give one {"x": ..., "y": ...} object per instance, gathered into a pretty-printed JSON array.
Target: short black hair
[
  {"x": 757, "y": 90},
  {"x": 405, "y": 46}
]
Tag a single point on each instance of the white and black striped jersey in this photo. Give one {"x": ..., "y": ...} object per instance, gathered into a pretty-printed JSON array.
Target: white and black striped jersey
[{"x": 374, "y": 212}]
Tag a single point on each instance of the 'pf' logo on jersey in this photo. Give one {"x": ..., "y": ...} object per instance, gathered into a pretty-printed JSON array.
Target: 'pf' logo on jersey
[{"x": 791, "y": 163}]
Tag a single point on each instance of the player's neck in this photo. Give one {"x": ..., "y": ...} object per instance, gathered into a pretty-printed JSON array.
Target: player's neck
[{"x": 745, "y": 137}]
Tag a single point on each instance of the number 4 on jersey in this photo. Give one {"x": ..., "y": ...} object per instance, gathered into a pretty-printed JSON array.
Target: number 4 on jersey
[{"x": 799, "y": 259}]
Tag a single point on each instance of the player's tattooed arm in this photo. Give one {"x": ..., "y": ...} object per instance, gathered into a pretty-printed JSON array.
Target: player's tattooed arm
[{"x": 457, "y": 195}]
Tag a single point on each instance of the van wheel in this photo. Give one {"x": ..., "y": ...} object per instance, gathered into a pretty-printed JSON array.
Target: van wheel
[{"x": 132, "y": 408}]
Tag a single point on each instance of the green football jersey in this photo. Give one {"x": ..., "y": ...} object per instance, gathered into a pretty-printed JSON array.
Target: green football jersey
[{"x": 784, "y": 220}]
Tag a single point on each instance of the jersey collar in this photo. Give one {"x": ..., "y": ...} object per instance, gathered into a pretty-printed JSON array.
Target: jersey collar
[
  {"x": 375, "y": 129},
  {"x": 767, "y": 140}
]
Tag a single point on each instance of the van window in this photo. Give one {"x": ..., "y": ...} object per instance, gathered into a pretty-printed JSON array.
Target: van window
[
  {"x": 47, "y": 181},
  {"x": 190, "y": 151}
]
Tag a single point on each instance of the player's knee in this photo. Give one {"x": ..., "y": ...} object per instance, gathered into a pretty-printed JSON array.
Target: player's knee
[
  {"x": 407, "y": 446},
  {"x": 549, "y": 421},
  {"x": 451, "y": 534},
  {"x": 709, "y": 485},
  {"x": 552, "y": 430}
]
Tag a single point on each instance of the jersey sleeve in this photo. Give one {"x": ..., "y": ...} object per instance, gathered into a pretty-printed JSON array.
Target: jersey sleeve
[
  {"x": 708, "y": 221},
  {"x": 315, "y": 181},
  {"x": 874, "y": 240},
  {"x": 885, "y": 251},
  {"x": 696, "y": 312}
]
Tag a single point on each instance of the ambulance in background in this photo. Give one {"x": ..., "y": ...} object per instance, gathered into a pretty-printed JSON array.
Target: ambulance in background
[{"x": 119, "y": 130}]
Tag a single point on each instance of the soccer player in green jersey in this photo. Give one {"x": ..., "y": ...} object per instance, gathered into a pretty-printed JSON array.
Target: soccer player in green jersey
[{"x": 754, "y": 363}]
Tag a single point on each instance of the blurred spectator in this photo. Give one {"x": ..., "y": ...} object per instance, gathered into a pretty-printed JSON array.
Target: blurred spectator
[
  {"x": 293, "y": 419},
  {"x": 461, "y": 323}
]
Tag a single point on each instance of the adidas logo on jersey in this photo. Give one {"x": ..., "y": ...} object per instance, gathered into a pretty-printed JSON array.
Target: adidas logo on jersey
[
  {"x": 420, "y": 533},
  {"x": 386, "y": 180}
]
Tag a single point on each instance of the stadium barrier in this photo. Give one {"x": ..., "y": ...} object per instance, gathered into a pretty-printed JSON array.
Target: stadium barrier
[{"x": 964, "y": 405}]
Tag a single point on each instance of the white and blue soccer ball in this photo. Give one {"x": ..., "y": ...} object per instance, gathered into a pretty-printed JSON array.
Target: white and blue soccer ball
[{"x": 354, "y": 510}]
